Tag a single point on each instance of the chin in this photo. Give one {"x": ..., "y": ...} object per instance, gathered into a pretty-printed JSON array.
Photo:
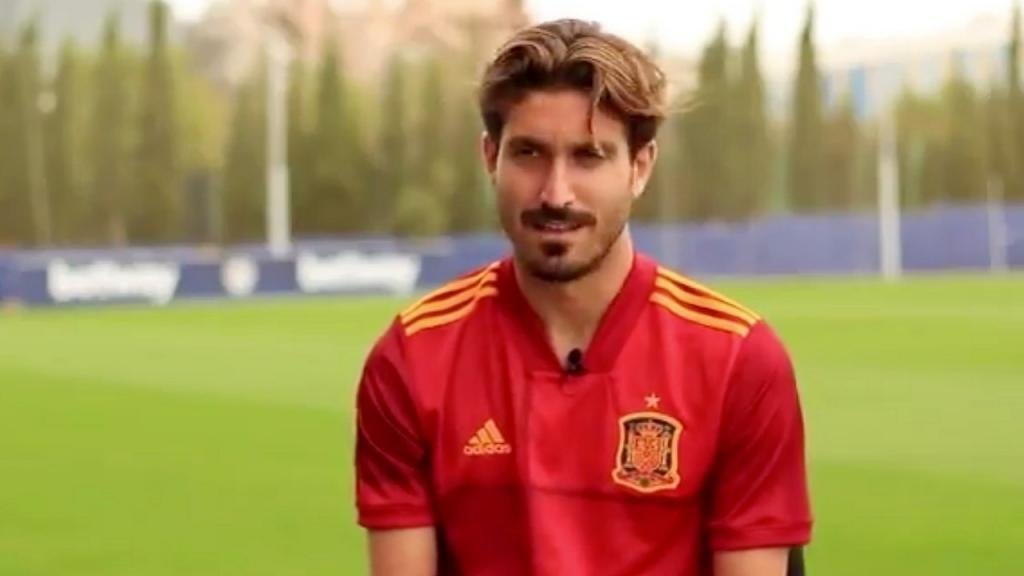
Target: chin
[
  {"x": 560, "y": 268},
  {"x": 556, "y": 272}
]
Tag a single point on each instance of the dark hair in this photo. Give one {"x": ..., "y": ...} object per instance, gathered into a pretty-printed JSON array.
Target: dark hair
[{"x": 573, "y": 54}]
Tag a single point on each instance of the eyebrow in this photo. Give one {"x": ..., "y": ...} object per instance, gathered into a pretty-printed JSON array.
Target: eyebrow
[
  {"x": 607, "y": 148},
  {"x": 526, "y": 142}
]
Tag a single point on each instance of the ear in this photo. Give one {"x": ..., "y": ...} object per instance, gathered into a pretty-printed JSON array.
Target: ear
[
  {"x": 643, "y": 167},
  {"x": 489, "y": 148}
]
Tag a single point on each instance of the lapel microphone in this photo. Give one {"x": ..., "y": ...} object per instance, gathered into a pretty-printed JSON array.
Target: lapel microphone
[{"x": 574, "y": 362}]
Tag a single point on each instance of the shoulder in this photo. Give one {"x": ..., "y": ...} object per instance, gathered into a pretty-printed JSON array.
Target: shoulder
[
  {"x": 418, "y": 336},
  {"x": 449, "y": 304},
  {"x": 692, "y": 305}
]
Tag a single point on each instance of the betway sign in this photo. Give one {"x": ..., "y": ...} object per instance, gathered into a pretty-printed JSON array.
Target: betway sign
[
  {"x": 104, "y": 280},
  {"x": 353, "y": 271}
]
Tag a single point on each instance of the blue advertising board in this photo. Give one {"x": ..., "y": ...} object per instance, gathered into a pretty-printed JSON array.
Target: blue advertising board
[{"x": 946, "y": 238}]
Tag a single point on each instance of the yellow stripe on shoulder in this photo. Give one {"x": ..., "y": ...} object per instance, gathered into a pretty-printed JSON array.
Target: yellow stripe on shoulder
[
  {"x": 451, "y": 301},
  {"x": 687, "y": 298},
  {"x": 665, "y": 301},
  {"x": 693, "y": 285},
  {"x": 468, "y": 282},
  {"x": 480, "y": 293}
]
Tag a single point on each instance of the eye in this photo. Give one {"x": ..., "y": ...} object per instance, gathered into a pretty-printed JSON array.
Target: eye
[
  {"x": 589, "y": 155},
  {"x": 524, "y": 151}
]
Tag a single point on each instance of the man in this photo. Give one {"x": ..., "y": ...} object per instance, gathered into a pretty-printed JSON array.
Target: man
[{"x": 576, "y": 409}]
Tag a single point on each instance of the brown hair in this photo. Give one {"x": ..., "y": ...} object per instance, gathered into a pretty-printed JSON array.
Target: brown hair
[{"x": 574, "y": 54}]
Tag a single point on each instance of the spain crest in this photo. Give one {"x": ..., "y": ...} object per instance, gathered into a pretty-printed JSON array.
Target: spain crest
[{"x": 647, "y": 457}]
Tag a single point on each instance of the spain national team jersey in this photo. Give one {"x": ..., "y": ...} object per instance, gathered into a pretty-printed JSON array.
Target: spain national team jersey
[{"x": 677, "y": 433}]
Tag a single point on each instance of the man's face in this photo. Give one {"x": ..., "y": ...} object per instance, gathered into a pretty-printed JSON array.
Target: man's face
[{"x": 564, "y": 193}]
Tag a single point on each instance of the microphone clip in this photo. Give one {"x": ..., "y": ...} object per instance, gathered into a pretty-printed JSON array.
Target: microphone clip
[{"x": 574, "y": 362}]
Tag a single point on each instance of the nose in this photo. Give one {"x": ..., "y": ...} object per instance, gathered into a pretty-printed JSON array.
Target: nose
[{"x": 557, "y": 189}]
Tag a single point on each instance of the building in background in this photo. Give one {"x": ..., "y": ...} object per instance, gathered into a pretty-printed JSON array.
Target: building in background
[
  {"x": 229, "y": 39},
  {"x": 873, "y": 74}
]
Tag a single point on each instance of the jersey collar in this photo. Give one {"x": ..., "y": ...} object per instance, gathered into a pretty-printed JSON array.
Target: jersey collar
[{"x": 614, "y": 329}]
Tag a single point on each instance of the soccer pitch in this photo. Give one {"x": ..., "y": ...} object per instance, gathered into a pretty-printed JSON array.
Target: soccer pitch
[{"x": 216, "y": 439}]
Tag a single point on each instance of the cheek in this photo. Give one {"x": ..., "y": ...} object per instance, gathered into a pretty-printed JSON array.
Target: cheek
[
  {"x": 510, "y": 201},
  {"x": 609, "y": 195},
  {"x": 513, "y": 187}
]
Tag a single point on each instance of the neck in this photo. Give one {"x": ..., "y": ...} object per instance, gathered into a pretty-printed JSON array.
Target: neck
[{"x": 572, "y": 311}]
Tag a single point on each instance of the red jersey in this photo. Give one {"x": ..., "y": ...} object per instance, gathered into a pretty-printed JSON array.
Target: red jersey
[{"x": 677, "y": 433}]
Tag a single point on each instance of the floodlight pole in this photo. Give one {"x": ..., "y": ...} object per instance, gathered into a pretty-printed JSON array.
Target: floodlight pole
[
  {"x": 278, "y": 208},
  {"x": 889, "y": 233}
]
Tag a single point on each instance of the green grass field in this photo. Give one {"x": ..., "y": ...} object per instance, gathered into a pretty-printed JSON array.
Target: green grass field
[{"x": 216, "y": 439}]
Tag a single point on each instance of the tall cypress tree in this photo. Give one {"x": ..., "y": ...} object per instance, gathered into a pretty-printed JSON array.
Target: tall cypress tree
[
  {"x": 336, "y": 203},
  {"x": 659, "y": 200},
  {"x": 470, "y": 206},
  {"x": 8, "y": 151},
  {"x": 71, "y": 207},
  {"x": 1014, "y": 169},
  {"x": 245, "y": 167},
  {"x": 1000, "y": 136},
  {"x": 299, "y": 149},
  {"x": 157, "y": 206},
  {"x": 750, "y": 150},
  {"x": 110, "y": 132},
  {"x": 394, "y": 153},
  {"x": 965, "y": 167},
  {"x": 204, "y": 111},
  {"x": 421, "y": 208},
  {"x": 706, "y": 131},
  {"x": 28, "y": 202},
  {"x": 806, "y": 137},
  {"x": 918, "y": 134},
  {"x": 842, "y": 151}
]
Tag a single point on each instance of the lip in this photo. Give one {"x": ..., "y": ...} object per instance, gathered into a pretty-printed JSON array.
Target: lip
[{"x": 553, "y": 231}]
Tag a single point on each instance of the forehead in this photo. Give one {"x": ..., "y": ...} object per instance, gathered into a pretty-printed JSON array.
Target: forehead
[{"x": 561, "y": 116}]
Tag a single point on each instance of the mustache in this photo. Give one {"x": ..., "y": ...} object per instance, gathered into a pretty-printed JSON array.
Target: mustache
[{"x": 547, "y": 214}]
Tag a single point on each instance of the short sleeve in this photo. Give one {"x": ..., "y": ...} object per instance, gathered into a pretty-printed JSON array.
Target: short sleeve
[
  {"x": 392, "y": 464},
  {"x": 759, "y": 494}
]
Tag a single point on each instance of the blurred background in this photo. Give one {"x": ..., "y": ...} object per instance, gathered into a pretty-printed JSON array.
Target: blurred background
[
  {"x": 867, "y": 158},
  {"x": 217, "y": 124}
]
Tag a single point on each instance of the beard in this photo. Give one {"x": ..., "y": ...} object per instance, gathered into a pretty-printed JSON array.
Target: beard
[{"x": 564, "y": 261}]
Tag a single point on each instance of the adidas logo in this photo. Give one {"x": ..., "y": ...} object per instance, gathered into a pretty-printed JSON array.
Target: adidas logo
[{"x": 487, "y": 441}]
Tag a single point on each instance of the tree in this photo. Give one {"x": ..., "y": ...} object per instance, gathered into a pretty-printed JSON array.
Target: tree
[
  {"x": 244, "y": 183},
  {"x": 842, "y": 154},
  {"x": 917, "y": 120},
  {"x": 27, "y": 208},
  {"x": 750, "y": 151},
  {"x": 394, "y": 157},
  {"x": 1000, "y": 136},
  {"x": 205, "y": 115},
  {"x": 806, "y": 159},
  {"x": 8, "y": 151},
  {"x": 706, "y": 137},
  {"x": 157, "y": 206},
  {"x": 421, "y": 206},
  {"x": 659, "y": 202},
  {"x": 337, "y": 203},
  {"x": 965, "y": 164},
  {"x": 299, "y": 145},
  {"x": 469, "y": 208},
  {"x": 1014, "y": 168},
  {"x": 110, "y": 134},
  {"x": 866, "y": 177},
  {"x": 72, "y": 207}
]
